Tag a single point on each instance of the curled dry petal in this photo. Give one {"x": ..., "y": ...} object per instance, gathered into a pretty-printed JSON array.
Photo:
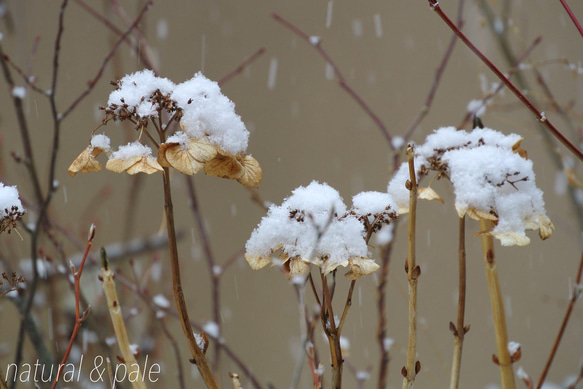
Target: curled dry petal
[
  {"x": 86, "y": 162},
  {"x": 361, "y": 267},
  {"x": 224, "y": 166},
  {"x": 186, "y": 158},
  {"x": 516, "y": 148},
  {"x": 546, "y": 227},
  {"x": 429, "y": 194},
  {"x": 133, "y": 165},
  {"x": 252, "y": 172}
]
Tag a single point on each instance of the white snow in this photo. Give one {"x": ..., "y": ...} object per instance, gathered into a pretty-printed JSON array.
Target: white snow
[
  {"x": 513, "y": 347},
  {"x": 212, "y": 329},
  {"x": 315, "y": 225},
  {"x": 373, "y": 203},
  {"x": 8, "y": 199},
  {"x": 101, "y": 141},
  {"x": 134, "y": 149},
  {"x": 487, "y": 175},
  {"x": 161, "y": 301},
  {"x": 135, "y": 90},
  {"x": 209, "y": 113},
  {"x": 19, "y": 92},
  {"x": 272, "y": 75},
  {"x": 378, "y": 26}
]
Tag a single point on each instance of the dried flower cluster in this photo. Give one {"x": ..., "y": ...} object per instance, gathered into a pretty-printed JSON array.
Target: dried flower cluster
[
  {"x": 491, "y": 176},
  {"x": 11, "y": 210},
  {"x": 212, "y": 136},
  {"x": 313, "y": 226}
]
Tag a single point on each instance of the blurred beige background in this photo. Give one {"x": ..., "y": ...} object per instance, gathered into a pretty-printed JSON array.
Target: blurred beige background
[{"x": 304, "y": 128}]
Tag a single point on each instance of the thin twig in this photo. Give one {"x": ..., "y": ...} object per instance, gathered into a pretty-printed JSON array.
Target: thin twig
[
  {"x": 241, "y": 67},
  {"x": 459, "y": 329},
  {"x": 572, "y": 16},
  {"x": 576, "y": 293},
  {"x": 540, "y": 116},
  {"x": 438, "y": 73},
  {"x": 211, "y": 264},
  {"x": 341, "y": 80},
  {"x": 91, "y": 83},
  {"x": 412, "y": 367}
]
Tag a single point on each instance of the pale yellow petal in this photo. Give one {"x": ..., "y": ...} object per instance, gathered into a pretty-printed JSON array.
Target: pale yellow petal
[
  {"x": 428, "y": 194},
  {"x": 257, "y": 262},
  {"x": 546, "y": 227},
  {"x": 146, "y": 165},
  {"x": 121, "y": 165},
  {"x": 511, "y": 238},
  {"x": 297, "y": 267},
  {"x": 85, "y": 162},
  {"x": 361, "y": 267},
  {"x": 202, "y": 150}
]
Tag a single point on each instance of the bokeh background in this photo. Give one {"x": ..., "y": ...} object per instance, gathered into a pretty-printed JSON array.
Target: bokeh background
[{"x": 305, "y": 127}]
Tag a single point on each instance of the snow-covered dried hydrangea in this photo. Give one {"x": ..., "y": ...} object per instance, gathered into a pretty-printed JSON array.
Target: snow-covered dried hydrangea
[
  {"x": 314, "y": 226},
  {"x": 212, "y": 136},
  {"x": 11, "y": 209},
  {"x": 491, "y": 176}
]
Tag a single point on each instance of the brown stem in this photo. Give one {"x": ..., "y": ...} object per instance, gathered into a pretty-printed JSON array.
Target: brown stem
[
  {"x": 499, "y": 317},
  {"x": 413, "y": 272},
  {"x": 195, "y": 351},
  {"x": 381, "y": 327},
  {"x": 459, "y": 330},
  {"x": 576, "y": 294}
]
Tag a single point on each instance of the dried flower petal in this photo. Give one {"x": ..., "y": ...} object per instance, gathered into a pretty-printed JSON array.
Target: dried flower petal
[
  {"x": 516, "y": 148},
  {"x": 252, "y": 172},
  {"x": 86, "y": 162},
  {"x": 361, "y": 267},
  {"x": 186, "y": 158},
  {"x": 476, "y": 214},
  {"x": 224, "y": 166},
  {"x": 133, "y": 165},
  {"x": 257, "y": 262},
  {"x": 298, "y": 268},
  {"x": 546, "y": 227},
  {"x": 428, "y": 194}
]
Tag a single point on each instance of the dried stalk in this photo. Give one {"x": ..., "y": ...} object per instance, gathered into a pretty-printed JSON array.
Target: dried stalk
[
  {"x": 410, "y": 371},
  {"x": 197, "y": 354},
  {"x": 503, "y": 357},
  {"x": 119, "y": 327},
  {"x": 459, "y": 329}
]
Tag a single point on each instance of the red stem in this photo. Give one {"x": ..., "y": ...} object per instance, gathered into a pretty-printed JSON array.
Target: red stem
[
  {"x": 574, "y": 298},
  {"x": 572, "y": 16},
  {"x": 539, "y": 115},
  {"x": 79, "y": 319}
]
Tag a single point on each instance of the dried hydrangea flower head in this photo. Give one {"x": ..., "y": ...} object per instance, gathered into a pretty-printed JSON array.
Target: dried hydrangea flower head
[
  {"x": 11, "y": 209},
  {"x": 212, "y": 137},
  {"x": 313, "y": 226},
  {"x": 491, "y": 177}
]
